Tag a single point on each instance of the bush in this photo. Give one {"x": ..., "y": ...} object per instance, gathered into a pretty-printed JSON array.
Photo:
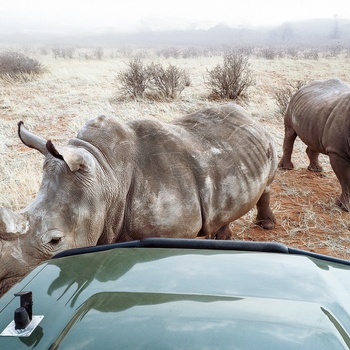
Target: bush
[
  {"x": 15, "y": 66},
  {"x": 63, "y": 52},
  {"x": 98, "y": 53},
  {"x": 283, "y": 95},
  {"x": 170, "y": 52},
  {"x": 292, "y": 52},
  {"x": 232, "y": 79},
  {"x": 135, "y": 79},
  {"x": 169, "y": 82},
  {"x": 269, "y": 53},
  {"x": 311, "y": 54}
]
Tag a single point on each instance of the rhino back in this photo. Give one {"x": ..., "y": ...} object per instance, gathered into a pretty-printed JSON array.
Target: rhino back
[
  {"x": 206, "y": 169},
  {"x": 112, "y": 139},
  {"x": 320, "y": 115}
]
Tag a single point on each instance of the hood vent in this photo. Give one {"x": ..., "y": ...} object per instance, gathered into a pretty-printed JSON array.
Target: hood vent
[{"x": 24, "y": 323}]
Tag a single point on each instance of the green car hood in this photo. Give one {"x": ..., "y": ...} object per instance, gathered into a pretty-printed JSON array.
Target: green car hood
[{"x": 159, "y": 298}]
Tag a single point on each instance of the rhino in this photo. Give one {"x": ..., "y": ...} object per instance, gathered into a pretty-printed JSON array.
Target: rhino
[
  {"x": 319, "y": 113},
  {"x": 144, "y": 178}
]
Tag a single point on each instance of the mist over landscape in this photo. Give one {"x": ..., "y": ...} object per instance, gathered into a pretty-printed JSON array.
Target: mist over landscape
[
  {"x": 317, "y": 32},
  {"x": 313, "y": 33},
  {"x": 109, "y": 23}
]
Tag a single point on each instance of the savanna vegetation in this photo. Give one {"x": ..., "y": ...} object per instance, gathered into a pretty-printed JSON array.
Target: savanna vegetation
[{"x": 68, "y": 85}]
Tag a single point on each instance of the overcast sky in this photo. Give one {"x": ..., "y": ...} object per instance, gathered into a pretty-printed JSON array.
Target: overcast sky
[{"x": 164, "y": 14}]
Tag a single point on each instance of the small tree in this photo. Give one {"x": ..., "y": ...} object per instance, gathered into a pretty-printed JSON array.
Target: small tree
[
  {"x": 232, "y": 79},
  {"x": 134, "y": 80},
  {"x": 283, "y": 95},
  {"x": 170, "y": 82}
]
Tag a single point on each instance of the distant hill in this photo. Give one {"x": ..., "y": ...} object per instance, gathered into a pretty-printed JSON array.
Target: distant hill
[{"x": 311, "y": 32}]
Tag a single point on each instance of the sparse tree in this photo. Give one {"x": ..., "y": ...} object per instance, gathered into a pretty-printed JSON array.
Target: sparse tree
[
  {"x": 134, "y": 80},
  {"x": 335, "y": 33},
  {"x": 170, "y": 82},
  {"x": 232, "y": 79},
  {"x": 283, "y": 95}
]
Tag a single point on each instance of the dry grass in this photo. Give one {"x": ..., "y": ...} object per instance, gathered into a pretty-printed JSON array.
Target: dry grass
[{"x": 57, "y": 104}]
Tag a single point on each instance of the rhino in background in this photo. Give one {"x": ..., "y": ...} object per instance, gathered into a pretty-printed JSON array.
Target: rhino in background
[
  {"x": 319, "y": 113},
  {"x": 145, "y": 178}
]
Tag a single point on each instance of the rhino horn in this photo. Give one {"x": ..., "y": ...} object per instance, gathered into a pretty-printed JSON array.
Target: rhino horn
[
  {"x": 31, "y": 140},
  {"x": 11, "y": 222}
]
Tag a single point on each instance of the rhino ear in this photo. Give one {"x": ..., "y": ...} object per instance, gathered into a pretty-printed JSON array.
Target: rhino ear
[{"x": 73, "y": 157}]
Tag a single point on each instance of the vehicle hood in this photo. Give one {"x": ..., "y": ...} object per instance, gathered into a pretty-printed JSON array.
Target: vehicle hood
[{"x": 141, "y": 298}]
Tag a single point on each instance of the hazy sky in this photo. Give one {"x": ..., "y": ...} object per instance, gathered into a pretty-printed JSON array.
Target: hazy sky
[{"x": 134, "y": 14}]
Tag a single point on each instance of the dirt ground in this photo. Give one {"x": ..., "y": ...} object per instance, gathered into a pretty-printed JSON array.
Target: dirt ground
[{"x": 307, "y": 216}]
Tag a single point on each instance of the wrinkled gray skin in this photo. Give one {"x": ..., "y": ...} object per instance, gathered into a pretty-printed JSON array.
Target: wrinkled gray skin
[
  {"x": 118, "y": 182},
  {"x": 319, "y": 113}
]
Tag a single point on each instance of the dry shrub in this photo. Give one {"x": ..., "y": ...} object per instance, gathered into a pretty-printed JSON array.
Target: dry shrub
[
  {"x": 169, "y": 52},
  {"x": 311, "y": 54},
  {"x": 283, "y": 95},
  {"x": 292, "y": 52},
  {"x": 269, "y": 53},
  {"x": 63, "y": 52},
  {"x": 134, "y": 80},
  {"x": 232, "y": 79},
  {"x": 170, "y": 81},
  {"x": 15, "y": 66},
  {"x": 165, "y": 82}
]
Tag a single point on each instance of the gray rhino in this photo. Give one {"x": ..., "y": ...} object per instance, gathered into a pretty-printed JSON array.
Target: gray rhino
[
  {"x": 319, "y": 113},
  {"x": 118, "y": 182}
]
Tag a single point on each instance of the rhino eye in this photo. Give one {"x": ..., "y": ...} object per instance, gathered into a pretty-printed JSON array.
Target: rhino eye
[{"x": 56, "y": 240}]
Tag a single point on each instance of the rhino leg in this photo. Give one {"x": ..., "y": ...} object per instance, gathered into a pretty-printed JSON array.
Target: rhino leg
[
  {"x": 341, "y": 168},
  {"x": 223, "y": 233},
  {"x": 265, "y": 217},
  {"x": 314, "y": 163},
  {"x": 288, "y": 143}
]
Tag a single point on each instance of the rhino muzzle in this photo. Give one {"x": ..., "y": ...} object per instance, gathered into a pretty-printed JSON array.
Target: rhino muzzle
[{"x": 11, "y": 222}]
